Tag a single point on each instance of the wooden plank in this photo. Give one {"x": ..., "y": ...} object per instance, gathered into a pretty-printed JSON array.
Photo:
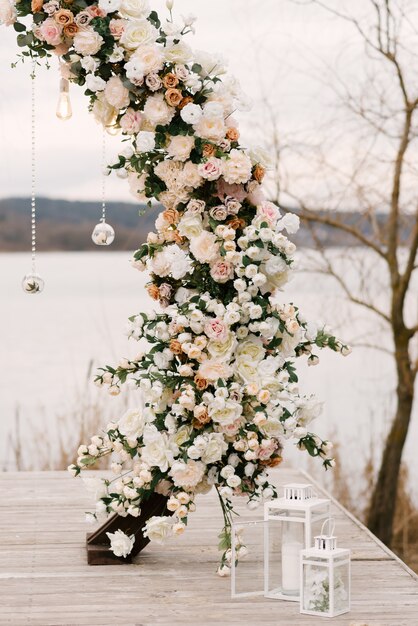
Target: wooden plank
[{"x": 44, "y": 578}]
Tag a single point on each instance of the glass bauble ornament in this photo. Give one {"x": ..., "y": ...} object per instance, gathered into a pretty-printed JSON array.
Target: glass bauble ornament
[
  {"x": 33, "y": 283},
  {"x": 103, "y": 234}
]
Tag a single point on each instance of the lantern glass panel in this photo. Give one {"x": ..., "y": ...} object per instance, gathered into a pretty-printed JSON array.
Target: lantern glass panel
[
  {"x": 341, "y": 587},
  {"x": 247, "y": 558},
  {"x": 316, "y": 590}
]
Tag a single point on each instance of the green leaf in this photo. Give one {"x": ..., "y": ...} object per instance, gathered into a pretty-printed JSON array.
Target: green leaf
[{"x": 19, "y": 27}]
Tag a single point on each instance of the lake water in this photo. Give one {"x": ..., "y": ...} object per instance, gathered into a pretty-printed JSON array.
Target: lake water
[{"x": 49, "y": 341}]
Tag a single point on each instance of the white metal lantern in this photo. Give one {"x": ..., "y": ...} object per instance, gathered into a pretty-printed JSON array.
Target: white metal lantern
[
  {"x": 325, "y": 577},
  {"x": 292, "y": 522}
]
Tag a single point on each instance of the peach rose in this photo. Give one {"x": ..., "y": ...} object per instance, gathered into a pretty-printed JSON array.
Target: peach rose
[
  {"x": 170, "y": 81},
  {"x": 153, "y": 291},
  {"x": 36, "y": 5},
  {"x": 232, "y": 134},
  {"x": 173, "y": 97},
  {"x": 208, "y": 150},
  {"x": 259, "y": 172},
  {"x": 70, "y": 30},
  {"x": 64, "y": 17}
]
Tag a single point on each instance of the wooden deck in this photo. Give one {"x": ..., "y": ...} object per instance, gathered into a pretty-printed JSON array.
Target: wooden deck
[{"x": 45, "y": 579}]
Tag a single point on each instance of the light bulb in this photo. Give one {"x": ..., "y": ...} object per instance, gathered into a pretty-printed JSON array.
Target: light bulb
[{"x": 64, "y": 110}]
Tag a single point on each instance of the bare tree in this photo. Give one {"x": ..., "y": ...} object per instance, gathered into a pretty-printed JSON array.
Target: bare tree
[{"x": 380, "y": 183}]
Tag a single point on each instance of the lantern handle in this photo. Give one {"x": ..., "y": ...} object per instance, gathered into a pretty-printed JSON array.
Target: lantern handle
[{"x": 331, "y": 526}]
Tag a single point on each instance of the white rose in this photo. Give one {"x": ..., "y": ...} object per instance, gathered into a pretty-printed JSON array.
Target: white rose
[
  {"x": 117, "y": 55},
  {"x": 109, "y": 6},
  {"x": 215, "y": 448},
  {"x": 180, "y": 147},
  {"x": 121, "y": 544},
  {"x": 132, "y": 424},
  {"x": 145, "y": 141},
  {"x": 95, "y": 83},
  {"x": 178, "y": 53},
  {"x": 137, "y": 33},
  {"x": 187, "y": 475},
  {"x": 87, "y": 41},
  {"x": 190, "y": 225},
  {"x": 227, "y": 414},
  {"x": 211, "y": 65},
  {"x": 135, "y": 9},
  {"x": 191, "y": 113},
  {"x": 90, "y": 64},
  {"x": 158, "y": 451},
  {"x": 179, "y": 261},
  {"x": 158, "y": 529},
  {"x": 151, "y": 59},
  {"x": 290, "y": 222},
  {"x": 204, "y": 248}
]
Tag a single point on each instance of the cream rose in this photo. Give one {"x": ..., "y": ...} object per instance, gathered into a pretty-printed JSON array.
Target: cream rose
[
  {"x": 212, "y": 128},
  {"x": 158, "y": 529},
  {"x": 138, "y": 33},
  {"x": 180, "y": 147},
  {"x": 190, "y": 225},
  {"x": 103, "y": 112},
  {"x": 157, "y": 111},
  {"x": 137, "y": 186},
  {"x": 135, "y": 9},
  {"x": 131, "y": 424},
  {"x": 178, "y": 53},
  {"x": 187, "y": 475},
  {"x": 236, "y": 168},
  {"x": 226, "y": 414},
  {"x": 205, "y": 247},
  {"x": 116, "y": 93},
  {"x": 87, "y": 41},
  {"x": 251, "y": 349},
  {"x": 190, "y": 175},
  {"x": 222, "y": 350},
  {"x": 212, "y": 370}
]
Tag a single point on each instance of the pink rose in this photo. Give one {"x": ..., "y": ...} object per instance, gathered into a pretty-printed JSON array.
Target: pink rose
[
  {"x": 130, "y": 122},
  {"x": 51, "y": 32},
  {"x": 216, "y": 329},
  {"x": 267, "y": 448},
  {"x": 116, "y": 28},
  {"x": 211, "y": 170},
  {"x": 231, "y": 429},
  {"x": 255, "y": 193},
  {"x": 224, "y": 189},
  {"x": 269, "y": 212},
  {"x": 221, "y": 271}
]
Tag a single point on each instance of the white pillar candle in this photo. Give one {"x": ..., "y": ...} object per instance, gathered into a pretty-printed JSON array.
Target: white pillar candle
[{"x": 290, "y": 567}]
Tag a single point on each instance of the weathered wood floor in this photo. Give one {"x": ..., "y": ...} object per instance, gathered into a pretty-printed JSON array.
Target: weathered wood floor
[{"x": 44, "y": 578}]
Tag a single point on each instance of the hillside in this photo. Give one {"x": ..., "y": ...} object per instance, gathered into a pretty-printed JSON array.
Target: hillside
[{"x": 67, "y": 225}]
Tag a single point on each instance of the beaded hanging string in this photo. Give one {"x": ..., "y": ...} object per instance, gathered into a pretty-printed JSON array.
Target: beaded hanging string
[
  {"x": 33, "y": 283},
  {"x": 103, "y": 234}
]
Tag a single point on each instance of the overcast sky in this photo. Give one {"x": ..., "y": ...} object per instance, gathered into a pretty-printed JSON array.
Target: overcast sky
[{"x": 272, "y": 46}]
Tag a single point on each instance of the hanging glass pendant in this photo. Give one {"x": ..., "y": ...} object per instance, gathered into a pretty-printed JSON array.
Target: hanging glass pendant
[
  {"x": 103, "y": 234},
  {"x": 32, "y": 282},
  {"x": 64, "y": 110}
]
